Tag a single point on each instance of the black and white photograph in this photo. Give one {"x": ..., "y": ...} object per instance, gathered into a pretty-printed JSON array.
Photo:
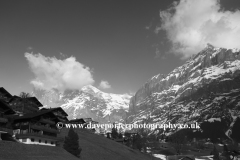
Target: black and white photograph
[{"x": 119, "y": 80}]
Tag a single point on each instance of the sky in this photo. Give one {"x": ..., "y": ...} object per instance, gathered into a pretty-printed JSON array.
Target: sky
[{"x": 115, "y": 46}]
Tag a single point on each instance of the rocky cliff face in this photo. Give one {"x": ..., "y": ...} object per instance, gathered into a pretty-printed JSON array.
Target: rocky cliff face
[
  {"x": 206, "y": 86},
  {"x": 89, "y": 102}
]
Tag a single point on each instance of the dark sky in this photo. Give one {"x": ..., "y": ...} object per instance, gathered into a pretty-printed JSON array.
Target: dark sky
[{"x": 115, "y": 39}]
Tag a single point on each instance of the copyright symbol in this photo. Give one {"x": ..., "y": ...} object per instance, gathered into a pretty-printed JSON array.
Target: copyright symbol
[{"x": 59, "y": 125}]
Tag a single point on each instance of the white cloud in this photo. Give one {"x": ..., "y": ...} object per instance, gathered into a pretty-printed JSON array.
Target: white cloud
[
  {"x": 51, "y": 72},
  {"x": 130, "y": 93},
  {"x": 29, "y": 48},
  {"x": 191, "y": 24},
  {"x": 104, "y": 85},
  {"x": 147, "y": 27}
]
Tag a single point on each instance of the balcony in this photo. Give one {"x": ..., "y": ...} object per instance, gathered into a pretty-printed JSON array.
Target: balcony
[
  {"x": 62, "y": 119},
  {"x": 4, "y": 129},
  {"x": 3, "y": 120},
  {"x": 44, "y": 128},
  {"x": 47, "y": 121},
  {"x": 32, "y": 135}
]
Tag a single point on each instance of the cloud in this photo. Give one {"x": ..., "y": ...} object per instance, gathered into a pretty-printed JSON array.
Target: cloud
[
  {"x": 104, "y": 85},
  {"x": 148, "y": 26},
  {"x": 62, "y": 55},
  {"x": 130, "y": 93},
  {"x": 29, "y": 48},
  {"x": 157, "y": 52},
  {"x": 191, "y": 24},
  {"x": 51, "y": 72}
]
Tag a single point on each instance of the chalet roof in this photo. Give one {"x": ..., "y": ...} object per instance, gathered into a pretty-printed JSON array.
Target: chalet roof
[
  {"x": 32, "y": 99},
  {"x": 32, "y": 115},
  {"x": 36, "y": 114},
  {"x": 14, "y": 98},
  {"x": 5, "y": 92},
  {"x": 80, "y": 120},
  {"x": 35, "y": 100},
  {"x": 55, "y": 109},
  {"x": 94, "y": 122},
  {"x": 63, "y": 119},
  {"x": 87, "y": 119},
  {"x": 6, "y": 107}
]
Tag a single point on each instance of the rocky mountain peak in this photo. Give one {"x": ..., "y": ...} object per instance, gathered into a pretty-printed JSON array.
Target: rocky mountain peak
[
  {"x": 207, "y": 80},
  {"x": 90, "y": 89},
  {"x": 209, "y": 46},
  {"x": 89, "y": 102}
]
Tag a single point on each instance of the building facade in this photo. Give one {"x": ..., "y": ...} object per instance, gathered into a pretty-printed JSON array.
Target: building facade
[
  {"x": 23, "y": 120},
  {"x": 37, "y": 128},
  {"x": 5, "y": 122}
]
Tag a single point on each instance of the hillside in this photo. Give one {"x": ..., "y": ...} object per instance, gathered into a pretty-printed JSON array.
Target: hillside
[
  {"x": 19, "y": 151},
  {"x": 205, "y": 88},
  {"x": 97, "y": 147}
]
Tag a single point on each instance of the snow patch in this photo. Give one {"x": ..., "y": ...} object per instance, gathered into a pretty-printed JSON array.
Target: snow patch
[{"x": 214, "y": 119}]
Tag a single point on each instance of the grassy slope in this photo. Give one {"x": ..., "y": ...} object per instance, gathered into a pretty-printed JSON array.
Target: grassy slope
[
  {"x": 96, "y": 147},
  {"x": 18, "y": 151}
]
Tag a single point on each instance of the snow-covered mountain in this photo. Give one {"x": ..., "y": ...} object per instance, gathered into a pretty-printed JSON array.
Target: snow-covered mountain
[
  {"x": 205, "y": 88},
  {"x": 89, "y": 102}
]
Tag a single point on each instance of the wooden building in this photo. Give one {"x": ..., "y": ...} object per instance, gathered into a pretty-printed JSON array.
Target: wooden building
[
  {"x": 5, "y": 122},
  {"x": 59, "y": 113},
  {"x": 39, "y": 127},
  {"x": 77, "y": 121},
  {"x": 5, "y": 95},
  {"x": 23, "y": 120},
  {"x": 25, "y": 105}
]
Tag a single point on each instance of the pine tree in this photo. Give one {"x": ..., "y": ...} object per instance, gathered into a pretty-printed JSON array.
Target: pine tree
[
  {"x": 178, "y": 139},
  {"x": 114, "y": 133},
  {"x": 120, "y": 135},
  {"x": 71, "y": 143},
  {"x": 138, "y": 142},
  {"x": 108, "y": 135},
  {"x": 128, "y": 140}
]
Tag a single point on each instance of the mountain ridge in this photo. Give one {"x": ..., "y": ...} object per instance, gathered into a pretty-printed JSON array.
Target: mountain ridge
[
  {"x": 207, "y": 82},
  {"x": 89, "y": 102}
]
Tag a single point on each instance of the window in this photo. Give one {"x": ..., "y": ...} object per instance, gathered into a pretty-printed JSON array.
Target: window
[
  {"x": 32, "y": 139},
  {"x": 52, "y": 142},
  {"x": 24, "y": 140},
  {"x": 24, "y": 131},
  {"x": 46, "y": 141},
  {"x": 39, "y": 140},
  {"x": 25, "y": 123}
]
